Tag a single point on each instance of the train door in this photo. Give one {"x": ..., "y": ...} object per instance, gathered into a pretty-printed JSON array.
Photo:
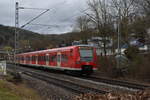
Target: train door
[
  {"x": 36, "y": 59},
  {"x": 59, "y": 59},
  {"x": 47, "y": 59},
  {"x": 31, "y": 59}
]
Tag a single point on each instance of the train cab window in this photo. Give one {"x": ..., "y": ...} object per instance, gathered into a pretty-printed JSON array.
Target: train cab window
[{"x": 86, "y": 53}]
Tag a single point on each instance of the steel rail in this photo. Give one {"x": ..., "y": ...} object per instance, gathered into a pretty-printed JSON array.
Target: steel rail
[
  {"x": 112, "y": 82},
  {"x": 118, "y": 83},
  {"x": 80, "y": 89}
]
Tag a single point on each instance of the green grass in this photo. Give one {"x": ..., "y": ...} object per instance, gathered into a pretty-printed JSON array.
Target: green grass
[
  {"x": 7, "y": 94},
  {"x": 10, "y": 91}
]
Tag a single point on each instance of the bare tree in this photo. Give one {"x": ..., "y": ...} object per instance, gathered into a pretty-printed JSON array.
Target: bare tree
[
  {"x": 143, "y": 6},
  {"x": 82, "y": 23},
  {"x": 100, "y": 16},
  {"x": 125, "y": 10}
]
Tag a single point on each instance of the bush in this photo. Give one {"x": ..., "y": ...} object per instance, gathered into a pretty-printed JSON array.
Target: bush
[
  {"x": 139, "y": 63},
  {"x": 131, "y": 52},
  {"x": 14, "y": 77},
  {"x": 138, "y": 66},
  {"x": 107, "y": 64}
]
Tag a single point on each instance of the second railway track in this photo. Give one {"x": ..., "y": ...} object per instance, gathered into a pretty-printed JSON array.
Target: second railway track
[
  {"x": 63, "y": 83},
  {"x": 126, "y": 84},
  {"x": 96, "y": 80}
]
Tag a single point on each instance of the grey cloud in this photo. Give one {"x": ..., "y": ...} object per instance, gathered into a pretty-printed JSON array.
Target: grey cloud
[{"x": 62, "y": 13}]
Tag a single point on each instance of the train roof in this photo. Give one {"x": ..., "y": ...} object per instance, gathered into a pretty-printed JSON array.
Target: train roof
[{"x": 56, "y": 49}]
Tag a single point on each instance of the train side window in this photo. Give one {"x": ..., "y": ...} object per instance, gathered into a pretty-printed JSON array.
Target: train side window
[
  {"x": 39, "y": 58},
  {"x": 30, "y": 58},
  {"x": 64, "y": 58},
  {"x": 44, "y": 58},
  {"x": 53, "y": 58},
  {"x": 50, "y": 58},
  {"x": 27, "y": 58},
  {"x": 33, "y": 58},
  {"x": 71, "y": 52},
  {"x": 47, "y": 58},
  {"x": 58, "y": 58}
]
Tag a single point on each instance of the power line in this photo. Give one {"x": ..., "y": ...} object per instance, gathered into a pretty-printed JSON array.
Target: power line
[
  {"x": 34, "y": 18},
  {"x": 39, "y": 14},
  {"x": 46, "y": 25},
  {"x": 32, "y": 8},
  {"x": 75, "y": 15}
]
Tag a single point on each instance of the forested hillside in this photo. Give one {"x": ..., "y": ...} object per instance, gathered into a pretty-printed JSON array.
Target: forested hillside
[{"x": 36, "y": 41}]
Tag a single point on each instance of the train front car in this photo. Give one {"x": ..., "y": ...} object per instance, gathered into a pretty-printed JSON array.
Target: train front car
[{"x": 86, "y": 59}]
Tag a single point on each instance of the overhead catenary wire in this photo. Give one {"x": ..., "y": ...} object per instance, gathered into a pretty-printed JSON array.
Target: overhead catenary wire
[
  {"x": 34, "y": 18},
  {"x": 46, "y": 10},
  {"x": 55, "y": 26},
  {"x": 59, "y": 26}
]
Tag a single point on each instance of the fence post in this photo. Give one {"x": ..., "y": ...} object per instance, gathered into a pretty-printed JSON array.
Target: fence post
[{"x": 3, "y": 67}]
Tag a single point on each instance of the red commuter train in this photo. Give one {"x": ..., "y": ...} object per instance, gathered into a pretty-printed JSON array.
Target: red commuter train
[{"x": 81, "y": 58}]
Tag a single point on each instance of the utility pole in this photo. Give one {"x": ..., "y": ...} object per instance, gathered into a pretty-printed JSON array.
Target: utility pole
[
  {"x": 119, "y": 50},
  {"x": 16, "y": 30},
  {"x": 16, "y": 44}
]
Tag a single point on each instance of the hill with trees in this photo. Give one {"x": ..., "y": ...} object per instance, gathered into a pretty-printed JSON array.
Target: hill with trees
[{"x": 35, "y": 41}]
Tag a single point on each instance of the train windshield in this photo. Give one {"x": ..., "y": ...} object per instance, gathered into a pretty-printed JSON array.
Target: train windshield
[{"x": 86, "y": 53}]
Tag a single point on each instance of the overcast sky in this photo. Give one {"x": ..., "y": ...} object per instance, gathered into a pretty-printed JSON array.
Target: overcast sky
[{"x": 61, "y": 16}]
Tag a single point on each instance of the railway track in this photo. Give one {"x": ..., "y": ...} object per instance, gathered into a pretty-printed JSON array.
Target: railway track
[
  {"x": 113, "y": 83},
  {"x": 63, "y": 83},
  {"x": 118, "y": 83}
]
